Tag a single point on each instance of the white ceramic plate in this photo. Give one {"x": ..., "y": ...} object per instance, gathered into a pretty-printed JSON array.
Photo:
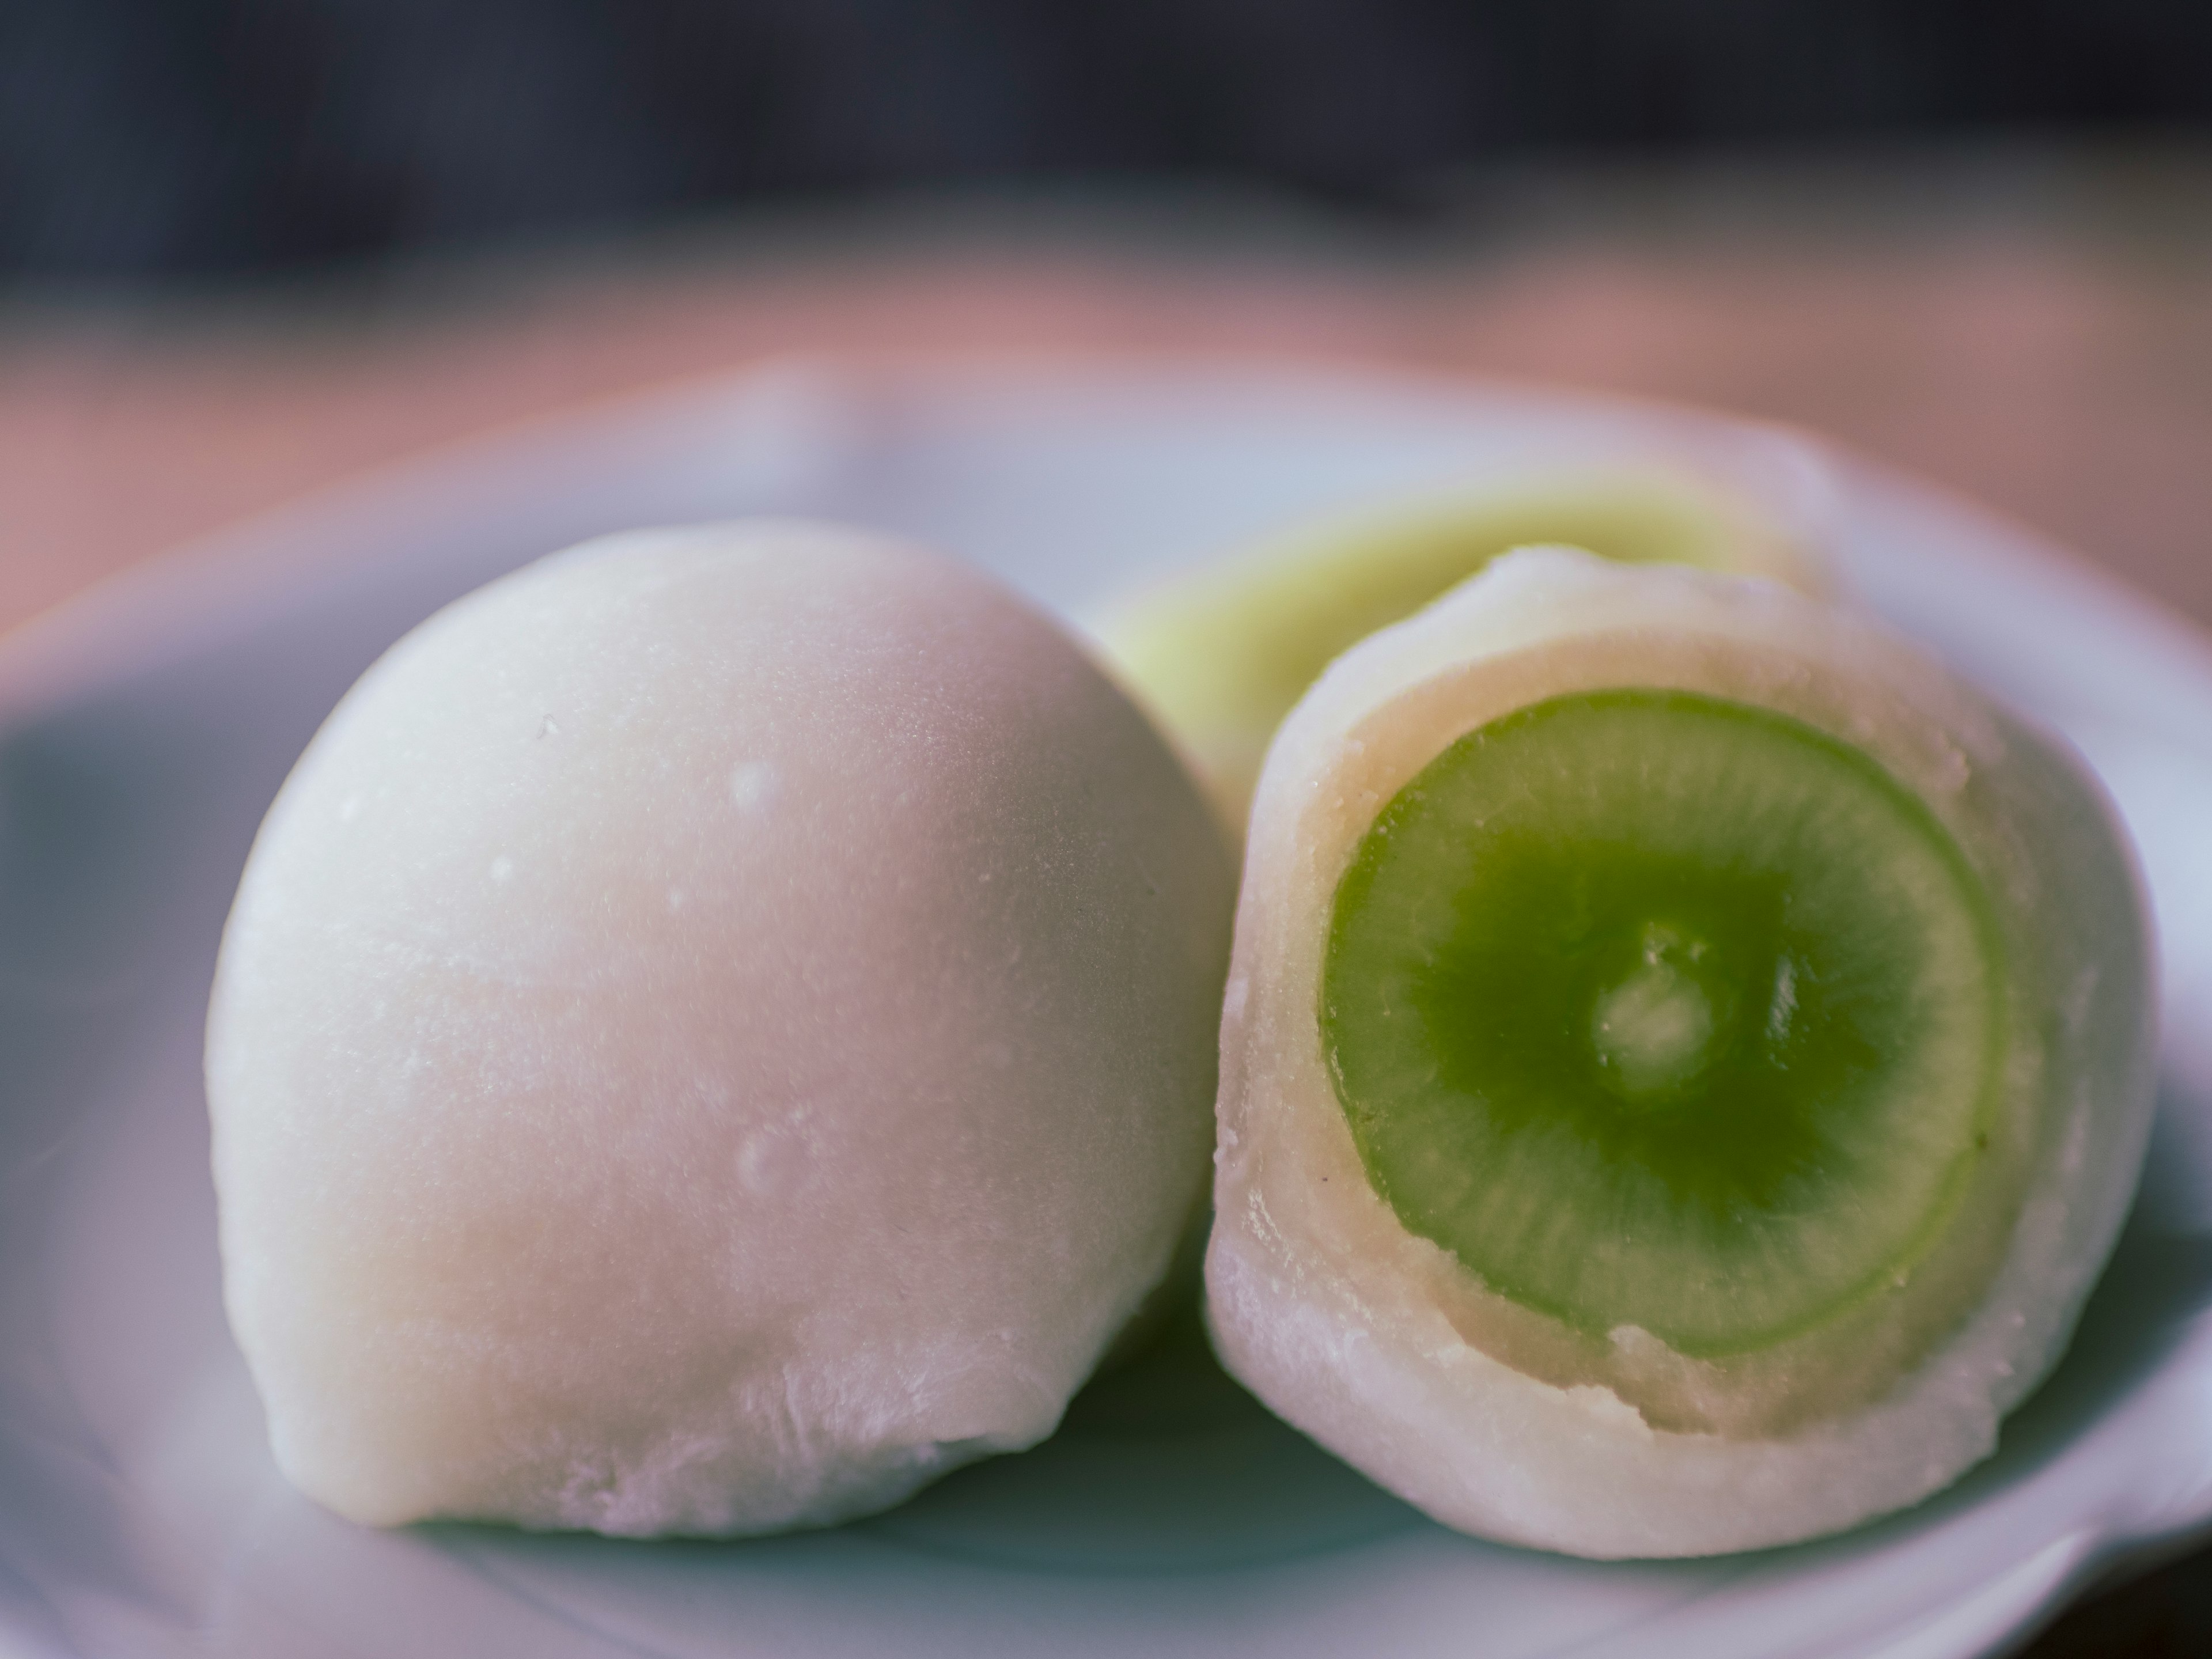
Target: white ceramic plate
[{"x": 143, "y": 731}]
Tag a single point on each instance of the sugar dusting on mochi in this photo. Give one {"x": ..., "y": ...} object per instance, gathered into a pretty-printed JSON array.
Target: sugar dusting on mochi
[{"x": 717, "y": 1029}]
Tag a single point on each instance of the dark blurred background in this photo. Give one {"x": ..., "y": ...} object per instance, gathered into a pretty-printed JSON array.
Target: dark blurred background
[{"x": 152, "y": 139}]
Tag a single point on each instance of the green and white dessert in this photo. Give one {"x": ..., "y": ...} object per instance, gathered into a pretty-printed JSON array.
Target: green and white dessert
[
  {"x": 1686, "y": 1059},
  {"x": 1219, "y": 655}
]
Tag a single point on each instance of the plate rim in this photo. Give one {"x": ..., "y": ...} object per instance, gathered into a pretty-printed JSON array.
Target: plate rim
[{"x": 75, "y": 645}]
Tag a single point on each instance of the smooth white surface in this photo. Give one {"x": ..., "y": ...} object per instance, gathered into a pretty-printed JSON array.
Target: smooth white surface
[
  {"x": 143, "y": 731},
  {"x": 717, "y": 1032}
]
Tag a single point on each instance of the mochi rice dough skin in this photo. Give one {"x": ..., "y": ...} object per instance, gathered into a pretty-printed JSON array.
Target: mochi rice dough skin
[
  {"x": 718, "y": 1030},
  {"x": 1687, "y": 1058}
]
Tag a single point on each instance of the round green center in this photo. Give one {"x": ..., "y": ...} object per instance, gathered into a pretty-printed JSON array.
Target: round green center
[
  {"x": 1653, "y": 1029},
  {"x": 1664, "y": 1011}
]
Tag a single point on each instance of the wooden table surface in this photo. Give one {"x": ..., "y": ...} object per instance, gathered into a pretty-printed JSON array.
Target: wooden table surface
[{"x": 2039, "y": 336}]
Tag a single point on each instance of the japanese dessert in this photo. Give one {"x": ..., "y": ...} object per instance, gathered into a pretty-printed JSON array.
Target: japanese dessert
[
  {"x": 1687, "y": 1058},
  {"x": 718, "y": 1030},
  {"x": 1219, "y": 656}
]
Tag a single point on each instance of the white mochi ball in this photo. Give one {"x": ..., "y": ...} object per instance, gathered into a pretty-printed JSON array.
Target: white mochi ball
[{"x": 717, "y": 1029}]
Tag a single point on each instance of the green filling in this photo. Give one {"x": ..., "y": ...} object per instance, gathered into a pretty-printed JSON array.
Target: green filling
[
  {"x": 1221, "y": 656},
  {"x": 1659, "y": 1009}
]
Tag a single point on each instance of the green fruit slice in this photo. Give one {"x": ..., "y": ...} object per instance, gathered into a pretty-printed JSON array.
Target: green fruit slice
[
  {"x": 1221, "y": 655},
  {"x": 1663, "y": 1010}
]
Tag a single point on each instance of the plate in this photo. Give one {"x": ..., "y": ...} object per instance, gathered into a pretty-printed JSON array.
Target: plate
[{"x": 143, "y": 731}]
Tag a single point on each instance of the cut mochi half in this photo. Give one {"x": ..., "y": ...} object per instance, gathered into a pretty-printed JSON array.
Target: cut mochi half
[{"x": 1686, "y": 1059}]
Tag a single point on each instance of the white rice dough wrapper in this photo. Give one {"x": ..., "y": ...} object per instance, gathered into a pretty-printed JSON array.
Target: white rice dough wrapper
[
  {"x": 717, "y": 1031},
  {"x": 1327, "y": 1307}
]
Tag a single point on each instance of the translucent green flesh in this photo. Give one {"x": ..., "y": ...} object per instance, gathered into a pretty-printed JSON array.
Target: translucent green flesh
[
  {"x": 1298, "y": 615},
  {"x": 1222, "y": 657},
  {"x": 1663, "y": 1010}
]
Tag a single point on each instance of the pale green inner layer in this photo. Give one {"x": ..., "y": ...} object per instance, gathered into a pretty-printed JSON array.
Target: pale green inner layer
[
  {"x": 1221, "y": 656},
  {"x": 1663, "y": 1010}
]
